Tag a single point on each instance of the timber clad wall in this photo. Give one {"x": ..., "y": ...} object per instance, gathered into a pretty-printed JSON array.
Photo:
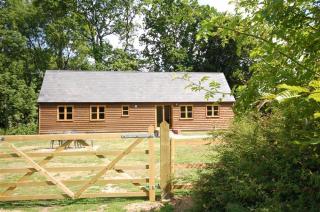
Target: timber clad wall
[
  {"x": 200, "y": 121},
  {"x": 139, "y": 119}
]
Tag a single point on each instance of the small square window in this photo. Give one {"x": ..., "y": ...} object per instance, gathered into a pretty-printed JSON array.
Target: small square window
[
  {"x": 125, "y": 110},
  {"x": 212, "y": 110},
  {"x": 186, "y": 112},
  {"x": 97, "y": 112},
  {"x": 65, "y": 113}
]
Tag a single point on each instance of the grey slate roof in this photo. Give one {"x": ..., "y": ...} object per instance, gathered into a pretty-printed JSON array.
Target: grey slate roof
[{"x": 112, "y": 87}]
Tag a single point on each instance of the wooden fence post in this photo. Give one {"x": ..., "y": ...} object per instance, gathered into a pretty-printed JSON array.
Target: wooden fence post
[
  {"x": 152, "y": 171},
  {"x": 165, "y": 162}
]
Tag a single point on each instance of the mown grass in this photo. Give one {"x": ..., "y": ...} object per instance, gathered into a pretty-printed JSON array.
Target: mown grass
[
  {"x": 97, "y": 204},
  {"x": 184, "y": 154}
]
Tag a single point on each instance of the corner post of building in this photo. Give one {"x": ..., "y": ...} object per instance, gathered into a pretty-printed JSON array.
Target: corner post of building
[{"x": 165, "y": 162}]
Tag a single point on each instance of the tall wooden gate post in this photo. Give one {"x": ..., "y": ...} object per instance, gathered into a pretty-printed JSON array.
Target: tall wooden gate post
[
  {"x": 152, "y": 171},
  {"x": 165, "y": 162}
]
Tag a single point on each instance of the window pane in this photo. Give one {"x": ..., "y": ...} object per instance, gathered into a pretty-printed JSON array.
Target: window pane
[
  {"x": 183, "y": 115},
  {"x": 93, "y": 116},
  {"x": 101, "y": 115},
  {"x": 182, "y": 108},
  {"x": 216, "y": 110},
  {"x": 61, "y": 116},
  {"x": 189, "y": 114},
  {"x": 69, "y": 116},
  {"x": 209, "y": 108},
  {"x": 125, "y": 108},
  {"x": 61, "y": 109},
  {"x": 125, "y": 113},
  {"x": 93, "y": 109},
  {"x": 209, "y": 113},
  {"x": 101, "y": 109},
  {"x": 69, "y": 109},
  {"x": 189, "y": 108}
]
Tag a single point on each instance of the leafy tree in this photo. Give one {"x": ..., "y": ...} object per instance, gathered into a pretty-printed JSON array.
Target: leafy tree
[
  {"x": 215, "y": 56},
  {"x": 172, "y": 43},
  {"x": 21, "y": 18},
  {"x": 61, "y": 32},
  {"x": 17, "y": 99},
  {"x": 283, "y": 36},
  {"x": 121, "y": 60},
  {"x": 170, "y": 33},
  {"x": 272, "y": 153}
]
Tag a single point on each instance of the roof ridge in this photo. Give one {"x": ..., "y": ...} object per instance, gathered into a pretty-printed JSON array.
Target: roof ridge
[{"x": 133, "y": 72}]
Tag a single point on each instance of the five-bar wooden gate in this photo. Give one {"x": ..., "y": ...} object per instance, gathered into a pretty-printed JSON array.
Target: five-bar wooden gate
[{"x": 73, "y": 188}]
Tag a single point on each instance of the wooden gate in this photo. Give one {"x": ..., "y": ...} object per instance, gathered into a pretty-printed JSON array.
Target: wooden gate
[{"x": 16, "y": 147}]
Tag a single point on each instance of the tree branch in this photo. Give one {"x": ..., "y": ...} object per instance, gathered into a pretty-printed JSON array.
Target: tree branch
[{"x": 270, "y": 43}]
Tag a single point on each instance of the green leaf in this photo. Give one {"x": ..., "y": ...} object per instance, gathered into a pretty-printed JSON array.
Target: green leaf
[
  {"x": 293, "y": 88},
  {"x": 284, "y": 95},
  {"x": 315, "y": 96},
  {"x": 316, "y": 115},
  {"x": 205, "y": 78},
  {"x": 315, "y": 84}
]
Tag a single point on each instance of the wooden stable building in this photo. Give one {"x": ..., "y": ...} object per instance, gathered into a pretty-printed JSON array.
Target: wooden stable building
[{"x": 90, "y": 101}]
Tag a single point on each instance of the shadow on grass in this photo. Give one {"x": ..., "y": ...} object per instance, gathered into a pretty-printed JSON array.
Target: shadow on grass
[{"x": 66, "y": 202}]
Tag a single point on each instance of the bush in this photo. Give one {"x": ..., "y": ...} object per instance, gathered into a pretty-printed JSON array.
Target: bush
[
  {"x": 262, "y": 167},
  {"x": 22, "y": 129}
]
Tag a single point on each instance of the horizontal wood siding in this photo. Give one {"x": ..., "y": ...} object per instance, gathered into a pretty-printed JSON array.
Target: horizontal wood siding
[
  {"x": 200, "y": 121},
  {"x": 139, "y": 119}
]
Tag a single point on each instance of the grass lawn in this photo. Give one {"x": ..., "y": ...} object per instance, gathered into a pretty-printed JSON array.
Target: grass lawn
[{"x": 184, "y": 154}]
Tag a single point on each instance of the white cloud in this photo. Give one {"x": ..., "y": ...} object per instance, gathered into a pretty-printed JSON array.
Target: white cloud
[{"x": 220, "y": 5}]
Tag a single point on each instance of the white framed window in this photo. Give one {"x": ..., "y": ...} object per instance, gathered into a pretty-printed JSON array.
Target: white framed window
[
  {"x": 65, "y": 112},
  {"x": 125, "y": 110},
  {"x": 97, "y": 112},
  {"x": 213, "y": 111},
  {"x": 186, "y": 112}
]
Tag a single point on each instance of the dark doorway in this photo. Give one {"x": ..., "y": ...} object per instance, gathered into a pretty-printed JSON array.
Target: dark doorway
[{"x": 163, "y": 113}]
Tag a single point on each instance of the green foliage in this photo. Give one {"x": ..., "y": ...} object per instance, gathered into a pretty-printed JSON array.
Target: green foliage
[
  {"x": 309, "y": 96},
  {"x": 17, "y": 100},
  {"x": 171, "y": 29},
  {"x": 21, "y": 129},
  {"x": 261, "y": 168},
  {"x": 283, "y": 39},
  {"x": 270, "y": 160}
]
